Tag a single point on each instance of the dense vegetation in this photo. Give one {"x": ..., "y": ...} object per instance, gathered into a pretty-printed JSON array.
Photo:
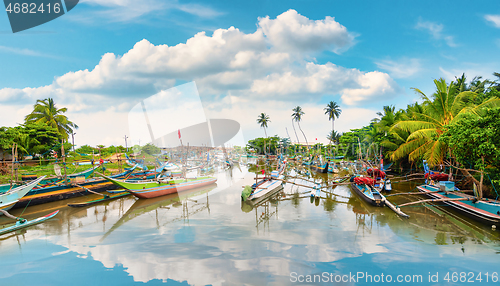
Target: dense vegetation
[{"x": 455, "y": 128}]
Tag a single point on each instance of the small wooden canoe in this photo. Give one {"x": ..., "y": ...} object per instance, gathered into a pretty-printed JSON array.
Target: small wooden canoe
[{"x": 26, "y": 223}]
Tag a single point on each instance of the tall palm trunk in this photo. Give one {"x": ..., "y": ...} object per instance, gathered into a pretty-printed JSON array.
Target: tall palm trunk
[
  {"x": 295, "y": 132},
  {"x": 265, "y": 148},
  {"x": 298, "y": 123}
]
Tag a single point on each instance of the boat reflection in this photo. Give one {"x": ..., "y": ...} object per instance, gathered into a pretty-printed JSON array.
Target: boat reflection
[
  {"x": 433, "y": 224},
  {"x": 185, "y": 199},
  {"x": 267, "y": 206}
]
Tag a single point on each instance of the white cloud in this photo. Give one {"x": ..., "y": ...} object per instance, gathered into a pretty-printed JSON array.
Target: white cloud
[
  {"x": 24, "y": 52},
  {"x": 470, "y": 70},
  {"x": 436, "y": 31},
  {"x": 291, "y": 31},
  {"x": 401, "y": 68},
  {"x": 127, "y": 10},
  {"x": 494, "y": 19},
  {"x": 315, "y": 80},
  {"x": 228, "y": 63},
  {"x": 199, "y": 10}
]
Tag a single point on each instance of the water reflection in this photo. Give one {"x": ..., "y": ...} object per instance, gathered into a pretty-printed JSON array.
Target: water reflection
[{"x": 208, "y": 236}]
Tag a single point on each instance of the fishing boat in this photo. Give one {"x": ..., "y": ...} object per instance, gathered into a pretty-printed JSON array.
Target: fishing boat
[
  {"x": 75, "y": 188},
  {"x": 332, "y": 169},
  {"x": 22, "y": 223},
  {"x": 484, "y": 210},
  {"x": 363, "y": 186},
  {"x": 133, "y": 162},
  {"x": 262, "y": 189},
  {"x": 85, "y": 173},
  {"x": 154, "y": 188},
  {"x": 320, "y": 168},
  {"x": 10, "y": 197},
  {"x": 382, "y": 183}
]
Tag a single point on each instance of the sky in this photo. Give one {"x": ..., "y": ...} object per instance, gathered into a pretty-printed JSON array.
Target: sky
[{"x": 105, "y": 57}]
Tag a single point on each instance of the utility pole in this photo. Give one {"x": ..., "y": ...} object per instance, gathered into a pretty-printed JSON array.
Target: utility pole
[{"x": 126, "y": 148}]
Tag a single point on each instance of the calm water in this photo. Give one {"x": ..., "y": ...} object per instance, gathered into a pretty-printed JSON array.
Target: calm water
[{"x": 207, "y": 236}]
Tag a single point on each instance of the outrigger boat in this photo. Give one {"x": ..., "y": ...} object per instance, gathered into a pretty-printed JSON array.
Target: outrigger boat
[
  {"x": 160, "y": 187},
  {"x": 332, "y": 168},
  {"x": 320, "y": 168},
  {"x": 483, "y": 210},
  {"x": 260, "y": 190},
  {"x": 363, "y": 186},
  {"x": 72, "y": 189},
  {"x": 22, "y": 223},
  {"x": 9, "y": 198}
]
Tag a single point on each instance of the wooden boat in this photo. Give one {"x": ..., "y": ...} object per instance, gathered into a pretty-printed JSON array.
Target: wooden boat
[
  {"x": 60, "y": 192},
  {"x": 25, "y": 223},
  {"x": 9, "y": 198},
  {"x": 133, "y": 162},
  {"x": 332, "y": 169},
  {"x": 51, "y": 181},
  {"x": 155, "y": 188},
  {"x": 85, "y": 173},
  {"x": 484, "y": 210},
  {"x": 263, "y": 188},
  {"x": 316, "y": 166},
  {"x": 363, "y": 186}
]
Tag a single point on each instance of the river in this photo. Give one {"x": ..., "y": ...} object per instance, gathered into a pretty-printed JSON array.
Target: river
[{"x": 208, "y": 236}]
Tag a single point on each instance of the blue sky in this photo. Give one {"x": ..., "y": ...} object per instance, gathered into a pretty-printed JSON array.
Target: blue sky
[{"x": 362, "y": 54}]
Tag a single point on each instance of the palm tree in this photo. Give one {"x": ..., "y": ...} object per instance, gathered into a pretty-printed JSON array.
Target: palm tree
[
  {"x": 333, "y": 136},
  {"x": 47, "y": 112},
  {"x": 333, "y": 110},
  {"x": 445, "y": 105},
  {"x": 295, "y": 131},
  {"x": 263, "y": 120},
  {"x": 297, "y": 116}
]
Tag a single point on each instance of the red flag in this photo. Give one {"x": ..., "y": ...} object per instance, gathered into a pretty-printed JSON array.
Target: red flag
[{"x": 179, "y": 132}]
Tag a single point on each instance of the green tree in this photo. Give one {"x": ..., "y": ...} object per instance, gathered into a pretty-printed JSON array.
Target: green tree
[
  {"x": 333, "y": 137},
  {"x": 442, "y": 108},
  {"x": 258, "y": 145},
  {"x": 297, "y": 116},
  {"x": 333, "y": 110},
  {"x": 263, "y": 120},
  {"x": 150, "y": 149},
  {"x": 474, "y": 140},
  {"x": 46, "y": 111},
  {"x": 40, "y": 138},
  {"x": 8, "y": 136},
  {"x": 85, "y": 149}
]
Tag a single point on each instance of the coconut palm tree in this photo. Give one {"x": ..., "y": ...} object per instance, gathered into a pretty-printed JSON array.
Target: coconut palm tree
[
  {"x": 263, "y": 120},
  {"x": 47, "y": 112},
  {"x": 333, "y": 136},
  {"x": 439, "y": 110},
  {"x": 295, "y": 131},
  {"x": 333, "y": 110},
  {"x": 297, "y": 116}
]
